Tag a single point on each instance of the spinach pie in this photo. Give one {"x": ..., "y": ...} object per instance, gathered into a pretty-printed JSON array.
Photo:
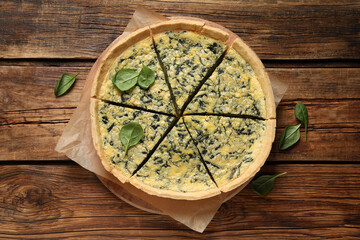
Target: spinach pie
[{"x": 182, "y": 110}]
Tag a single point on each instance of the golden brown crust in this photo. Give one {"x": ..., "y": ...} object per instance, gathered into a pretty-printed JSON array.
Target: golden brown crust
[
  {"x": 177, "y": 24},
  {"x": 259, "y": 160},
  {"x": 259, "y": 70},
  {"x": 95, "y": 132},
  {"x": 215, "y": 33},
  {"x": 190, "y": 25},
  {"x": 94, "y": 126},
  {"x": 172, "y": 194},
  {"x": 108, "y": 60},
  {"x": 210, "y": 24}
]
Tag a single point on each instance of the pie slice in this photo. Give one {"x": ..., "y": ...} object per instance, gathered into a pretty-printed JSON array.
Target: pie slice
[
  {"x": 238, "y": 86},
  {"x": 233, "y": 149},
  {"x": 188, "y": 50},
  {"x": 130, "y": 53},
  {"x": 107, "y": 121},
  {"x": 175, "y": 170}
]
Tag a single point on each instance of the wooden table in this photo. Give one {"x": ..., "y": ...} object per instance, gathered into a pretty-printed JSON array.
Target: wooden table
[{"x": 314, "y": 47}]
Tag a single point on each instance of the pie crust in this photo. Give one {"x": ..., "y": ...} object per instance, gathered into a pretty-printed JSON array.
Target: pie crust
[
  {"x": 175, "y": 195},
  {"x": 259, "y": 70}
]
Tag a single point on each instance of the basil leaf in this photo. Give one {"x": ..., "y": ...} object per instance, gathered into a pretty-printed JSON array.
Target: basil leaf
[
  {"x": 146, "y": 77},
  {"x": 301, "y": 114},
  {"x": 64, "y": 84},
  {"x": 264, "y": 184},
  {"x": 130, "y": 135},
  {"x": 125, "y": 79},
  {"x": 289, "y": 137}
]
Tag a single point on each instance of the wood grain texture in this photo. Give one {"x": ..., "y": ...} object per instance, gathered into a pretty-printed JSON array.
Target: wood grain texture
[
  {"x": 26, "y": 88},
  {"x": 31, "y": 141},
  {"x": 36, "y": 141},
  {"x": 314, "y": 46},
  {"x": 21, "y": 85},
  {"x": 65, "y": 201},
  {"x": 83, "y": 29},
  {"x": 331, "y": 95}
]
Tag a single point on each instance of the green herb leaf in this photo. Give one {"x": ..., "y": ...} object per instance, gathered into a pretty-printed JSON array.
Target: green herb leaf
[
  {"x": 146, "y": 77},
  {"x": 263, "y": 184},
  {"x": 289, "y": 137},
  {"x": 301, "y": 114},
  {"x": 125, "y": 79},
  {"x": 64, "y": 84},
  {"x": 130, "y": 134}
]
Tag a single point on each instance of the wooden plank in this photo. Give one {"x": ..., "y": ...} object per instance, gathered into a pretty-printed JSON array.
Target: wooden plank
[
  {"x": 334, "y": 112},
  {"x": 278, "y": 234},
  {"x": 33, "y": 87},
  {"x": 319, "y": 83},
  {"x": 65, "y": 201},
  {"x": 21, "y": 85},
  {"x": 331, "y": 122},
  {"x": 37, "y": 142},
  {"x": 31, "y": 141},
  {"x": 83, "y": 29}
]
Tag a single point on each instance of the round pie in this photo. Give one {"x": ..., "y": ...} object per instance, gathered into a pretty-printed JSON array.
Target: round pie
[{"x": 208, "y": 118}]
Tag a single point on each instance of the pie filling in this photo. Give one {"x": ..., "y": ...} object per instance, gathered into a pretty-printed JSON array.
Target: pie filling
[
  {"x": 187, "y": 58},
  {"x": 111, "y": 119},
  {"x": 156, "y": 98},
  {"x": 227, "y": 145},
  {"x": 223, "y": 129},
  {"x": 176, "y": 165},
  {"x": 232, "y": 89}
]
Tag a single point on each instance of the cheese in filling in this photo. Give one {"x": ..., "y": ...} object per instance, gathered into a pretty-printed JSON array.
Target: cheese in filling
[
  {"x": 176, "y": 165},
  {"x": 232, "y": 89},
  {"x": 227, "y": 145},
  {"x": 156, "y": 97},
  {"x": 111, "y": 118},
  {"x": 187, "y": 57}
]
